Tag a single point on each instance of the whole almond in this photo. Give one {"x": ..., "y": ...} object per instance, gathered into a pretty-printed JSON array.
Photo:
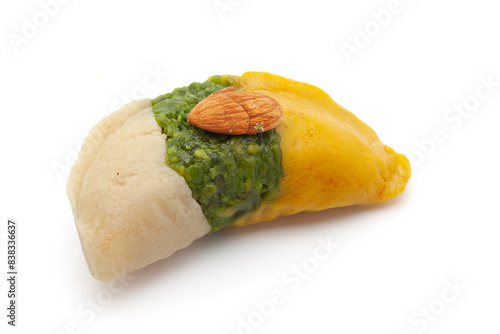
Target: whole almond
[{"x": 234, "y": 112}]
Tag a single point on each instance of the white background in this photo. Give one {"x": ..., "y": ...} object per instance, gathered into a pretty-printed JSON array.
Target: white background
[{"x": 394, "y": 261}]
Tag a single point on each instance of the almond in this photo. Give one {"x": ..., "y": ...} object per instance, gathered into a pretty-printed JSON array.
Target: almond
[{"x": 234, "y": 112}]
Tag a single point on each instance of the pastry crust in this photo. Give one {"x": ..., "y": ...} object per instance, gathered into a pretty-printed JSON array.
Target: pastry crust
[
  {"x": 130, "y": 208},
  {"x": 329, "y": 156}
]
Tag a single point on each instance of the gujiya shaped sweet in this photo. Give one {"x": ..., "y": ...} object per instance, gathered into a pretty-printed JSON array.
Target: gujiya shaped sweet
[{"x": 147, "y": 183}]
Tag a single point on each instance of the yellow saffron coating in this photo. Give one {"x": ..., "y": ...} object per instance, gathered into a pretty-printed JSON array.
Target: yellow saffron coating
[{"x": 330, "y": 158}]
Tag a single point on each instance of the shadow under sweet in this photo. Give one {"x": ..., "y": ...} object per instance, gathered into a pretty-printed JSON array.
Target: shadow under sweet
[{"x": 297, "y": 223}]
